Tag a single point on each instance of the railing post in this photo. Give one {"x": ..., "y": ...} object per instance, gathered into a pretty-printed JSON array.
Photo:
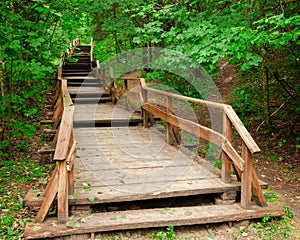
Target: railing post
[
  {"x": 169, "y": 126},
  {"x": 62, "y": 193},
  {"x": 226, "y": 163},
  {"x": 112, "y": 85},
  {"x": 145, "y": 113},
  {"x": 246, "y": 178}
]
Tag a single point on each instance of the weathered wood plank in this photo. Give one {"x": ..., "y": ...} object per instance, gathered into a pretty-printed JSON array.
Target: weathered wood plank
[
  {"x": 239, "y": 126},
  {"x": 246, "y": 188},
  {"x": 226, "y": 164},
  {"x": 51, "y": 192},
  {"x": 135, "y": 219},
  {"x": 62, "y": 193}
]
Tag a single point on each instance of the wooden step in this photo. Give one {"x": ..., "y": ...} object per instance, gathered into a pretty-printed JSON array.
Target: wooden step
[
  {"x": 91, "y": 100},
  {"x": 88, "y": 79},
  {"x": 145, "y": 218},
  {"x": 84, "y": 84},
  {"x": 76, "y": 74},
  {"x": 77, "y": 64},
  {"x": 75, "y": 70}
]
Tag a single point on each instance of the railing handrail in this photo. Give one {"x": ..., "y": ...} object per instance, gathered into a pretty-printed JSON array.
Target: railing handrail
[{"x": 228, "y": 110}]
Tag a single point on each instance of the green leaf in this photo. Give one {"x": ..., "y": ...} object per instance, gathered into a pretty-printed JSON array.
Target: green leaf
[
  {"x": 113, "y": 218},
  {"x": 91, "y": 198},
  {"x": 188, "y": 213},
  {"x": 73, "y": 220},
  {"x": 167, "y": 209},
  {"x": 36, "y": 228}
]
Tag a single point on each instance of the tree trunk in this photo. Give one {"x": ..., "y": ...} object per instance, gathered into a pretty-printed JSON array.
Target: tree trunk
[{"x": 267, "y": 117}]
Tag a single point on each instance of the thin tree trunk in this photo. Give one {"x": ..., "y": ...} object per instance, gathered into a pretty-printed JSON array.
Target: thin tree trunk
[{"x": 266, "y": 96}]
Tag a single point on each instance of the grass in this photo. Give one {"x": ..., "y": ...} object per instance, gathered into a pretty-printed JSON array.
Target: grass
[{"x": 15, "y": 176}]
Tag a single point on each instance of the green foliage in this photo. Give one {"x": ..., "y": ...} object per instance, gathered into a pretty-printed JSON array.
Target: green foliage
[
  {"x": 261, "y": 39},
  {"x": 275, "y": 228},
  {"x": 164, "y": 234},
  {"x": 33, "y": 35},
  {"x": 271, "y": 196}
]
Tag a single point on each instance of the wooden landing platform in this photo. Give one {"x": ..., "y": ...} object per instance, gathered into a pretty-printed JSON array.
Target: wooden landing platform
[
  {"x": 135, "y": 163},
  {"x": 86, "y": 227},
  {"x": 103, "y": 113}
]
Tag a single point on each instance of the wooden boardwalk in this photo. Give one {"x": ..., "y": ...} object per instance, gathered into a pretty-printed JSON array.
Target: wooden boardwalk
[{"x": 108, "y": 156}]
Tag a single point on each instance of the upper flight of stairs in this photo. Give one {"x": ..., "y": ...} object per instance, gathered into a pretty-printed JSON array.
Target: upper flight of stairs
[{"x": 84, "y": 84}]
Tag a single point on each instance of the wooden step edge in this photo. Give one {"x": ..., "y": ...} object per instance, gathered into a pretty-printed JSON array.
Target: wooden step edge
[
  {"x": 147, "y": 218},
  {"x": 46, "y": 121},
  {"x": 49, "y": 131},
  {"x": 46, "y": 150}
]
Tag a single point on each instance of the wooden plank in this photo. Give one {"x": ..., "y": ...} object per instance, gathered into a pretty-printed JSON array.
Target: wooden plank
[
  {"x": 51, "y": 180},
  {"x": 186, "y": 125},
  {"x": 49, "y": 131},
  {"x": 133, "y": 192},
  {"x": 184, "y": 98},
  {"x": 239, "y": 126},
  {"x": 139, "y": 219},
  {"x": 257, "y": 191},
  {"x": 233, "y": 155},
  {"x": 45, "y": 150},
  {"x": 70, "y": 166},
  {"x": 46, "y": 121},
  {"x": 62, "y": 194},
  {"x": 64, "y": 135},
  {"x": 246, "y": 178},
  {"x": 170, "y": 139},
  {"x": 199, "y": 131},
  {"x": 226, "y": 164},
  {"x": 48, "y": 200}
]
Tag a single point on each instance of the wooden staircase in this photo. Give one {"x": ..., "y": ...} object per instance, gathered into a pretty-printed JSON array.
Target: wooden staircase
[{"x": 199, "y": 196}]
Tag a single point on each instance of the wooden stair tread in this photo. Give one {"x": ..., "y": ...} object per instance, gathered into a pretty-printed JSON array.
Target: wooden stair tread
[{"x": 146, "y": 218}]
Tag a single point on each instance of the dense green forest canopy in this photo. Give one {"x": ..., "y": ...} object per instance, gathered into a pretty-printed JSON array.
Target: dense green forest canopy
[{"x": 259, "y": 37}]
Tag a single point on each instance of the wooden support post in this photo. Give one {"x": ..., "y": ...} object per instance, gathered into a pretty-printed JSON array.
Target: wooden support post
[
  {"x": 70, "y": 166},
  {"x": 246, "y": 178},
  {"x": 71, "y": 176},
  {"x": 51, "y": 192},
  {"x": 170, "y": 139},
  {"x": 145, "y": 118},
  {"x": 145, "y": 113},
  {"x": 226, "y": 163},
  {"x": 62, "y": 195}
]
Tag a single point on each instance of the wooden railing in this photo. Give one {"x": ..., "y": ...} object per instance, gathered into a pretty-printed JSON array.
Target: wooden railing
[
  {"x": 241, "y": 163},
  {"x": 61, "y": 183}
]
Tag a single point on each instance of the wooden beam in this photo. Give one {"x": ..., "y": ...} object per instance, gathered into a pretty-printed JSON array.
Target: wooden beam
[
  {"x": 51, "y": 192},
  {"x": 184, "y": 98},
  {"x": 226, "y": 164},
  {"x": 66, "y": 128},
  {"x": 239, "y": 126},
  {"x": 62, "y": 193},
  {"x": 186, "y": 125},
  {"x": 246, "y": 183},
  {"x": 170, "y": 139},
  {"x": 199, "y": 131},
  {"x": 257, "y": 191}
]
